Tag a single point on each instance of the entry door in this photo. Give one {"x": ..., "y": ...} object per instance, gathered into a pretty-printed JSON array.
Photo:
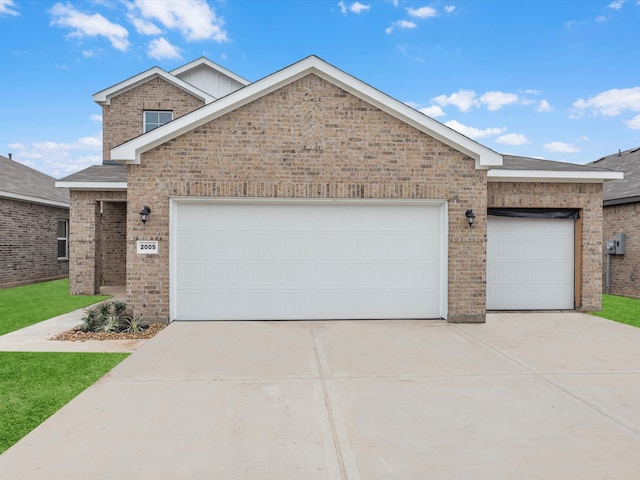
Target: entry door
[
  {"x": 309, "y": 260},
  {"x": 530, "y": 263}
]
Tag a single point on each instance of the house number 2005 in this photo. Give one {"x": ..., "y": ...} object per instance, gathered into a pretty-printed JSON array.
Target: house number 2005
[{"x": 149, "y": 247}]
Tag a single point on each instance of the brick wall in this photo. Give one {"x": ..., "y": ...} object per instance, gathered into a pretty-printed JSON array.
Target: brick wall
[
  {"x": 625, "y": 269},
  {"x": 122, "y": 120},
  {"x": 114, "y": 243},
  {"x": 86, "y": 242},
  {"x": 29, "y": 242},
  {"x": 309, "y": 139},
  {"x": 585, "y": 196}
]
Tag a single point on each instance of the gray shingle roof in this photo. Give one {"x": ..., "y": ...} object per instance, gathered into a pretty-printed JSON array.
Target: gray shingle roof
[
  {"x": 99, "y": 173},
  {"x": 20, "y": 180},
  {"x": 513, "y": 162},
  {"x": 627, "y": 190}
]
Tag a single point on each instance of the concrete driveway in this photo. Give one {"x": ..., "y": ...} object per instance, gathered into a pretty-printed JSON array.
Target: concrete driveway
[{"x": 550, "y": 396}]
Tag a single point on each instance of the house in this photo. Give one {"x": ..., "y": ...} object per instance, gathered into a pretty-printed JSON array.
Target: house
[
  {"x": 34, "y": 217},
  {"x": 621, "y": 215},
  {"x": 309, "y": 194}
]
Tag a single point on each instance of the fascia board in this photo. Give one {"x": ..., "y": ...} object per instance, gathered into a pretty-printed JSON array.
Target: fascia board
[
  {"x": 103, "y": 97},
  {"x": 131, "y": 151},
  {"x": 504, "y": 175},
  {"x": 213, "y": 66},
  {"x": 93, "y": 185},
  {"x": 30, "y": 199}
]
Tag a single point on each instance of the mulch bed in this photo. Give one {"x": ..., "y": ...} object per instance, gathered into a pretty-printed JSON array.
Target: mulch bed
[{"x": 80, "y": 336}]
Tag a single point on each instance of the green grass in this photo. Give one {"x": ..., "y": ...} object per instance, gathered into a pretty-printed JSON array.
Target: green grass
[
  {"x": 29, "y": 304},
  {"x": 34, "y": 385},
  {"x": 621, "y": 309}
]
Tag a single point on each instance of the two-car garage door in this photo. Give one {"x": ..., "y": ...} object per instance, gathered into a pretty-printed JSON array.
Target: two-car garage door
[{"x": 269, "y": 259}]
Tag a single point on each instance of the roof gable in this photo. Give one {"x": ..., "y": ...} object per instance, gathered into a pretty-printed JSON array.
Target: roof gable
[
  {"x": 131, "y": 151},
  {"x": 103, "y": 97},
  {"x": 20, "y": 182},
  {"x": 210, "y": 77}
]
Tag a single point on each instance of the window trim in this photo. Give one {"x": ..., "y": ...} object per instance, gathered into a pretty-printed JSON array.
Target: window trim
[
  {"x": 65, "y": 239},
  {"x": 144, "y": 119}
]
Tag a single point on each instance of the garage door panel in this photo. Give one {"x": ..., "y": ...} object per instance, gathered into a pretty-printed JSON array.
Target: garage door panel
[
  {"x": 290, "y": 261},
  {"x": 530, "y": 263}
]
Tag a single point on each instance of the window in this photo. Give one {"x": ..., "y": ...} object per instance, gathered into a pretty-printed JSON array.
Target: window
[
  {"x": 156, "y": 118},
  {"x": 63, "y": 239}
]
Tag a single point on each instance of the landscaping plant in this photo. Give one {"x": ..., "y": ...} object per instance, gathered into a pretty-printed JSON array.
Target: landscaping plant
[{"x": 112, "y": 317}]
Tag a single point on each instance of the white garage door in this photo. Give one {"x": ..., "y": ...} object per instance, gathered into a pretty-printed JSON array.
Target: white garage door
[
  {"x": 235, "y": 260},
  {"x": 530, "y": 263}
]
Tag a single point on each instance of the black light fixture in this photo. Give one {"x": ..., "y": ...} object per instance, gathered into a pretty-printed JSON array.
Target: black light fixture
[
  {"x": 470, "y": 216},
  {"x": 144, "y": 214}
]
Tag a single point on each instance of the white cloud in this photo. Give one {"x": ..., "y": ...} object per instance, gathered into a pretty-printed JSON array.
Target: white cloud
[
  {"x": 143, "y": 26},
  {"x": 544, "y": 106},
  {"x": 357, "y": 7},
  {"x": 195, "y": 19},
  {"x": 7, "y": 7},
  {"x": 616, "y": 5},
  {"x": 61, "y": 159},
  {"x": 634, "y": 123},
  {"x": 422, "y": 12},
  {"x": 561, "y": 147},
  {"x": 465, "y": 100},
  {"x": 95, "y": 117},
  {"x": 473, "y": 132},
  {"x": 407, "y": 24},
  {"x": 433, "y": 111},
  {"x": 496, "y": 100},
  {"x": 512, "y": 139},
  {"x": 610, "y": 103},
  {"x": 601, "y": 18},
  {"x": 449, "y": 8},
  {"x": 83, "y": 25},
  {"x": 160, "y": 49}
]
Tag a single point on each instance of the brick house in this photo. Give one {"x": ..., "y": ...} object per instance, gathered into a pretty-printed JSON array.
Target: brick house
[
  {"x": 309, "y": 194},
  {"x": 34, "y": 217},
  {"x": 621, "y": 215}
]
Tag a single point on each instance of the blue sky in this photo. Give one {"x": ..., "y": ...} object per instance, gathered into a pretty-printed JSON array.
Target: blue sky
[{"x": 550, "y": 79}]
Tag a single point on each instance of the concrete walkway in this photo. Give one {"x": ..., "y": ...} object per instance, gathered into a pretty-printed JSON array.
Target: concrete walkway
[{"x": 552, "y": 396}]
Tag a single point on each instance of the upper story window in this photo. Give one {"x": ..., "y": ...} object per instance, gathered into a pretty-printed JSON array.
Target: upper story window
[
  {"x": 156, "y": 118},
  {"x": 63, "y": 239}
]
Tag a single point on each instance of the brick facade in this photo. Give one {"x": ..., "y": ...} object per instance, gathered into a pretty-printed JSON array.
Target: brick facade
[
  {"x": 114, "y": 243},
  {"x": 309, "y": 139},
  {"x": 29, "y": 242},
  {"x": 87, "y": 243},
  {"x": 585, "y": 196},
  {"x": 624, "y": 269},
  {"x": 123, "y": 119}
]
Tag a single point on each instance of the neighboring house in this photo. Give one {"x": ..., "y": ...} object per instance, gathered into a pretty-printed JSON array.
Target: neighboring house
[
  {"x": 34, "y": 225},
  {"x": 621, "y": 214},
  {"x": 309, "y": 194}
]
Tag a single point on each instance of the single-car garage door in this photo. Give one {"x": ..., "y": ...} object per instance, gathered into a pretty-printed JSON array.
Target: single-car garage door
[
  {"x": 530, "y": 263},
  {"x": 268, "y": 259}
]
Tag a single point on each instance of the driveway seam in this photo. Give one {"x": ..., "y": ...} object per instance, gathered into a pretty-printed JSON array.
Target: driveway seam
[
  {"x": 546, "y": 377},
  {"x": 342, "y": 447}
]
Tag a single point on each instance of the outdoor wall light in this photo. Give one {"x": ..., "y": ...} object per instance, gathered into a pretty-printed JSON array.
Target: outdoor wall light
[
  {"x": 144, "y": 214},
  {"x": 470, "y": 216}
]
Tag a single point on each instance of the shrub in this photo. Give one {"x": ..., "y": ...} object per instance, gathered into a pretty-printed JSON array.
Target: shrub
[{"x": 111, "y": 316}]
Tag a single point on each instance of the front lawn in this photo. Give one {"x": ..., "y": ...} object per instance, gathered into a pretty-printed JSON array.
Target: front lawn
[
  {"x": 29, "y": 304},
  {"x": 621, "y": 309},
  {"x": 34, "y": 385}
]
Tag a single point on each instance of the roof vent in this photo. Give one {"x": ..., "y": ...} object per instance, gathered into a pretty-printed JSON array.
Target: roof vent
[{"x": 10, "y": 155}]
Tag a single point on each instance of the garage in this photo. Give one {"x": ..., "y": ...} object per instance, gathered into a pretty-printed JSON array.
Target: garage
[
  {"x": 531, "y": 261},
  {"x": 266, "y": 259}
]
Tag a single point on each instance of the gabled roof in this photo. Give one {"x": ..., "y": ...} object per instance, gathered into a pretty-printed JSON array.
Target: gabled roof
[
  {"x": 19, "y": 182},
  {"x": 525, "y": 169},
  {"x": 198, "y": 63},
  {"x": 131, "y": 151},
  {"x": 627, "y": 190},
  {"x": 103, "y": 97},
  {"x": 97, "y": 177}
]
